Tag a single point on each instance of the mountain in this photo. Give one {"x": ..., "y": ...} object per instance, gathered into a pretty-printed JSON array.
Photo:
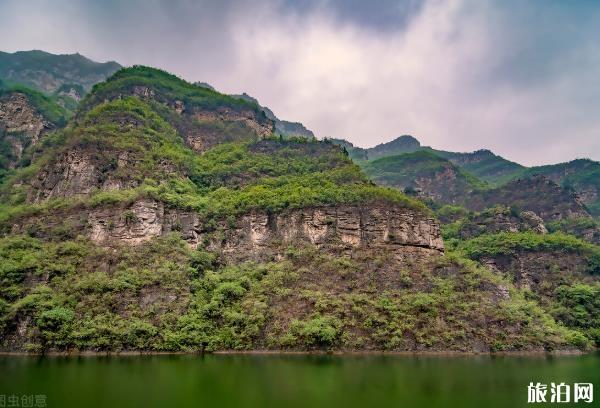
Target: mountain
[
  {"x": 26, "y": 116},
  {"x": 282, "y": 127},
  {"x": 483, "y": 164},
  {"x": 581, "y": 176},
  {"x": 50, "y": 73},
  {"x": 537, "y": 193},
  {"x": 425, "y": 174},
  {"x": 169, "y": 217},
  {"x": 402, "y": 144}
]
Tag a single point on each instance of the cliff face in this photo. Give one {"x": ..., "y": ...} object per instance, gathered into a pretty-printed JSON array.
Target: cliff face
[
  {"x": 81, "y": 171},
  {"x": 282, "y": 127},
  {"x": 205, "y": 129},
  {"x": 538, "y": 194},
  {"x": 350, "y": 226},
  {"x": 497, "y": 220},
  {"x": 22, "y": 124},
  {"x": 202, "y": 122},
  {"x": 258, "y": 234}
]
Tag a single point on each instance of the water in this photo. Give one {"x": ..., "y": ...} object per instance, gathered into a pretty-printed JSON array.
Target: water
[{"x": 365, "y": 381}]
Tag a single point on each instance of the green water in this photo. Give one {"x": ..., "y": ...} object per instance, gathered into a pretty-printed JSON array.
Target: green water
[{"x": 291, "y": 381}]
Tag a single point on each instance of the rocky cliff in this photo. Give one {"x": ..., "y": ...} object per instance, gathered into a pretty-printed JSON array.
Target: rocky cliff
[
  {"x": 21, "y": 125},
  {"x": 203, "y": 117},
  {"x": 538, "y": 194}
]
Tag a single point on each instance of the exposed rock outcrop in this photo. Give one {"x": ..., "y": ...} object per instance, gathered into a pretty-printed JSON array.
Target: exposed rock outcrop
[
  {"x": 498, "y": 220},
  {"x": 538, "y": 194},
  {"x": 347, "y": 226},
  {"x": 255, "y": 233},
  {"x": 204, "y": 127},
  {"x": 81, "y": 171},
  {"x": 21, "y": 125}
]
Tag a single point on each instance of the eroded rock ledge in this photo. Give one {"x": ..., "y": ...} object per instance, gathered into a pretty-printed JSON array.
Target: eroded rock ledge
[{"x": 349, "y": 225}]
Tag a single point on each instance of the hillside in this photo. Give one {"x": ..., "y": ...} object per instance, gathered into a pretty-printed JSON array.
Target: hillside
[
  {"x": 427, "y": 175},
  {"x": 50, "y": 73},
  {"x": 482, "y": 164},
  {"x": 168, "y": 216},
  {"x": 282, "y": 127},
  {"x": 581, "y": 176},
  {"x": 25, "y": 117}
]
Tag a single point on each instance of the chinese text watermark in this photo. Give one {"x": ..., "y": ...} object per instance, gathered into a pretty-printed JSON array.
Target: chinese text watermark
[
  {"x": 25, "y": 400},
  {"x": 560, "y": 393}
]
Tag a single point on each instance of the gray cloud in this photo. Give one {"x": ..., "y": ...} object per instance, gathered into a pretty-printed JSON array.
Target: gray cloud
[{"x": 520, "y": 78}]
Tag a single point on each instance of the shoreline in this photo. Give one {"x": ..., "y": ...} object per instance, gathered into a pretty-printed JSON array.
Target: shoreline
[{"x": 339, "y": 353}]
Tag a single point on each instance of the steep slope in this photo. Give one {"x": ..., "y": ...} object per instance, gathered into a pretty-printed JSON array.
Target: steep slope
[
  {"x": 136, "y": 228},
  {"x": 282, "y": 127},
  {"x": 25, "y": 117},
  {"x": 427, "y": 175},
  {"x": 202, "y": 116},
  {"x": 538, "y": 194},
  {"x": 50, "y": 73},
  {"x": 581, "y": 176}
]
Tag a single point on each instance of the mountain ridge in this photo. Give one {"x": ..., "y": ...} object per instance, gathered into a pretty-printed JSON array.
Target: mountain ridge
[
  {"x": 579, "y": 175},
  {"x": 166, "y": 216}
]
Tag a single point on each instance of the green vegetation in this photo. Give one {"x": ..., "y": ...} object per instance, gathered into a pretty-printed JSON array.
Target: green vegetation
[
  {"x": 43, "y": 71},
  {"x": 505, "y": 243},
  {"x": 579, "y": 307},
  {"x": 271, "y": 174},
  {"x": 64, "y": 292},
  {"x": 166, "y": 296},
  {"x": 47, "y": 106},
  {"x": 166, "y": 87},
  {"x": 484, "y": 165},
  {"x": 405, "y": 168}
]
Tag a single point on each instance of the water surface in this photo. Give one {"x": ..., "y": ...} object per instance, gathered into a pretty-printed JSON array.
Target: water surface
[{"x": 290, "y": 380}]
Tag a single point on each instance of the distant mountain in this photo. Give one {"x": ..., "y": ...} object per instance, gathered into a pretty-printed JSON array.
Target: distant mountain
[
  {"x": 282, "y": 127},
  {"x": 581, "y": 176},
  {"x": 402, "y": 144},
  {"x": 52, "y": 73},
  {"x": 483, "y": 164},
  {"x": 424, "y": 174}
]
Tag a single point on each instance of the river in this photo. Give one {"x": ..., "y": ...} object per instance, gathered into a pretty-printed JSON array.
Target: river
[{"x": 256, "y": 380}]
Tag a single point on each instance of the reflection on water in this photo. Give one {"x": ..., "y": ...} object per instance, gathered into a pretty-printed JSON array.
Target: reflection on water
[{"x": 290, "y": 380}]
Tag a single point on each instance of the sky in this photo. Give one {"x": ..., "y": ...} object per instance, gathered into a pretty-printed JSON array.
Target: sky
[{"x": 519, "y": 77}]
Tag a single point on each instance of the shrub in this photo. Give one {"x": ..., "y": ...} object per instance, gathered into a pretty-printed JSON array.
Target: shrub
[{"x": 322, "y": 331}]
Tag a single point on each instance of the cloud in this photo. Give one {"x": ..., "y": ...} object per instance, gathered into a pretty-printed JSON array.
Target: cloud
[{"x": 520, "y": 78}]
